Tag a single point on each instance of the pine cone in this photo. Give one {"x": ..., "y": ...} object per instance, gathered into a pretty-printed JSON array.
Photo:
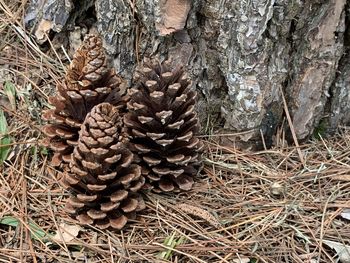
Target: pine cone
[
  {"x": 162, "y": 125},
  {"x": 87, "y": 83},
  {"x": 102, "y": 176}
]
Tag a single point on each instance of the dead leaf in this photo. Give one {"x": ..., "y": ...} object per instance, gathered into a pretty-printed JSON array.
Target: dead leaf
[
  {"x": 42, "y": 30},
  {"x": 342, "y": 250},
  {"x": 10, "y": 91},
  {"x": 197, "y": 211},
  {"x": 345, "y": 214},
  {"x": 66, "y": 233},
  {"x": 344, "y": 177}
]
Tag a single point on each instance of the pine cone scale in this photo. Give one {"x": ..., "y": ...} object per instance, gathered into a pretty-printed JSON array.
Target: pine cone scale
[
  {"x": 86, "y": 198},
  {"x": 129, "y": 205},
  {"x": 107, "y": 177},
  {"x": 84, "y": 218},
  {"x": 119, "y": 222},
  {"x": 119, "y": 195}
]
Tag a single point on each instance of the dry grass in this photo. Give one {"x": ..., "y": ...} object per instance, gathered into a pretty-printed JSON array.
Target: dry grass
[{"x": 245, "y": 207}]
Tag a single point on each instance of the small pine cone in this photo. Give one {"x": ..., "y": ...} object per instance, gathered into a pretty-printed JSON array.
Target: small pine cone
[
  {"x": 162, "y": 124},
  {"x": 89, "y": 69},
  {"x": 102, "y": 176},
  {"x": 88, "y": 82}
]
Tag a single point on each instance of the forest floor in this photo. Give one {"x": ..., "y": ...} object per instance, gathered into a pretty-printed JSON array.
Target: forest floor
[{"x": 285, "y": 204}]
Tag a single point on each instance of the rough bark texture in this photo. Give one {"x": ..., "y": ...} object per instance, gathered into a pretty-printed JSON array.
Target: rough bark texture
[{"x": 243, "y": 55}]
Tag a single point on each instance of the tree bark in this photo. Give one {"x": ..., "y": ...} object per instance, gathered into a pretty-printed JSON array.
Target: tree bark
[{"x": 244, "y": 56}]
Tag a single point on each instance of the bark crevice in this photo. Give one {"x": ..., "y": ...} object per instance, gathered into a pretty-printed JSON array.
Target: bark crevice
[{"x": 339, "y": 101}]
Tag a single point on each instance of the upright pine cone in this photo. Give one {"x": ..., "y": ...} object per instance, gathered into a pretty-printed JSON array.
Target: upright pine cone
[
  {"x": 102, "y": 176},
  {"x": 87, "y": 83},
  {"x": 162, "y": 124}
]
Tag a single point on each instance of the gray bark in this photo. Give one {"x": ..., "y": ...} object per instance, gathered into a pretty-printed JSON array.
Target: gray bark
[{"x": 241, "y": 54}]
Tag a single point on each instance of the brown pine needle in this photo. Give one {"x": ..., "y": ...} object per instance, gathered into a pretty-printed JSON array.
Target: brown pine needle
[{"x": 290, "y": 122}]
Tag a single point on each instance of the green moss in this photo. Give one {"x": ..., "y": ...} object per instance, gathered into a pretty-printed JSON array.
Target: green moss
[{"x": 321, "y": 130}]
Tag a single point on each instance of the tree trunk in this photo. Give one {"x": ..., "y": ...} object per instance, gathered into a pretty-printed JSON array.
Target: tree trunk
[{"x": 244, "y": 56}]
